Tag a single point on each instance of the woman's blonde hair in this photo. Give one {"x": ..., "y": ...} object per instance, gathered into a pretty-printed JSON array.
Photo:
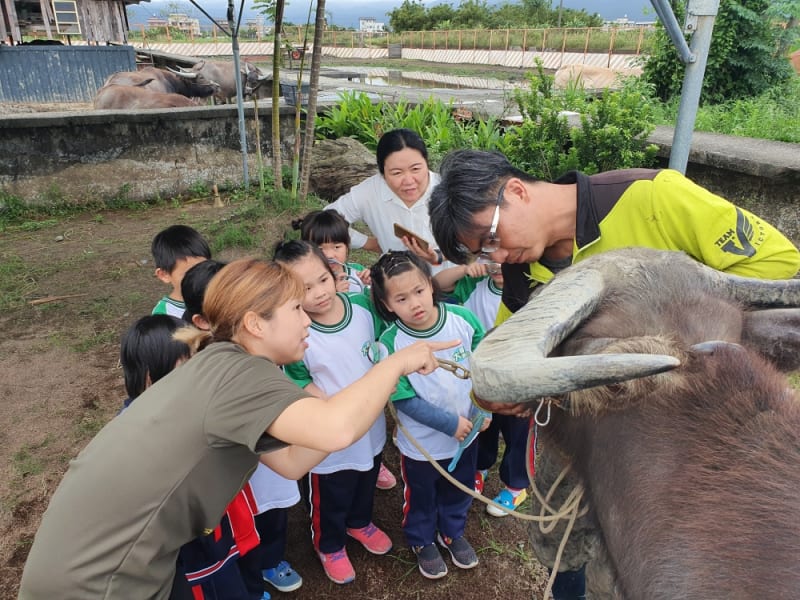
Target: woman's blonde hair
[{"x": 244, "y": 285}]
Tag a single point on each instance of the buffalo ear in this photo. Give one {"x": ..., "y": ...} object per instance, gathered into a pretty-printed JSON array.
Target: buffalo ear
[{"x": 775, "y": 335}]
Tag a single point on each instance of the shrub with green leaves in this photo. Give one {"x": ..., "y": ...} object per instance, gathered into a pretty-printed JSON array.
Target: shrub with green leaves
[
  {"x": 742, "y": 60},
  {"x": 612, "y": 133},
  {"x": 357, "y": 116}
]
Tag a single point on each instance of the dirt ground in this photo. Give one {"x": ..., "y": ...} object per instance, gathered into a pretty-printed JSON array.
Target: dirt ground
[{"x": 60, "y": 382}]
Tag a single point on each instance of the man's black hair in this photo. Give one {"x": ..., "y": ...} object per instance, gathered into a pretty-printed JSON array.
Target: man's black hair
[{"x": 470, "y": 180}]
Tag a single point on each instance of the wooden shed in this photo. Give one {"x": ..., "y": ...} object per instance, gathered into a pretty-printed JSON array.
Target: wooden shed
[{"x": 96, "y": 21}]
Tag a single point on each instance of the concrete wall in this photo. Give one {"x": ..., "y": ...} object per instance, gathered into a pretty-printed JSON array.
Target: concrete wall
[{"x": 99, "y": 155}]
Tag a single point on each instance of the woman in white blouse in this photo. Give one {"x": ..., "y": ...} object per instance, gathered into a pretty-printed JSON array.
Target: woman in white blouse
[{"x": 398, "y": 193}]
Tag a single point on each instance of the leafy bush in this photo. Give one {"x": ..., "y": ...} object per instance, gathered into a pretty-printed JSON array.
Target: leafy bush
[
  {"x": 612, "y": 133},
  {"x": 357, "y": 116},
  {"x": 742, "y": 61}
]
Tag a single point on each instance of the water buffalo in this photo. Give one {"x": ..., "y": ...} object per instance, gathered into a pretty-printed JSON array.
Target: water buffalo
[
  {"x": 132, "y": 97},
  {"x": 222, "y": 75},
  {"x": 673, "y": 416},
  {"x": 159, "y": 80}
]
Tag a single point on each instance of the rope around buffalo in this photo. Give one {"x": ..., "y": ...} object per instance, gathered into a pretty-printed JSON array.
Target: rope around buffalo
[{"x": 570, "y": 509}]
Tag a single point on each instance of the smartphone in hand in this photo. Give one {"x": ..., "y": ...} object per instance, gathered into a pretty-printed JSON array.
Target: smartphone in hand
[{"x": 402, "y": 232}]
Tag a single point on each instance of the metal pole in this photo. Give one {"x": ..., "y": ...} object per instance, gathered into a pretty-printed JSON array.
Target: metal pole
[
  {"x": 700, "y": 19},
  {"x": 239, "y": 98},
  {"x": 667, "y": 17}
]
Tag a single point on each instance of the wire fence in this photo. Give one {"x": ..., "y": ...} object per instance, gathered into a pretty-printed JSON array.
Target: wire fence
[{"x": 633, "y": 40}]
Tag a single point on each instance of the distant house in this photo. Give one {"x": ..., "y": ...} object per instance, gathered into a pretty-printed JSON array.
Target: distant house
[
  {"x": 89, "y": 20},
  {"x": 184, "y": 23},
  {"x": 370, "y": 25}
]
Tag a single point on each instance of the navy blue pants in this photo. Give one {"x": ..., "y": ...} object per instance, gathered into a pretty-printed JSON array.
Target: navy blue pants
[
  {"x": 273, "y": 527},
  {"x": 431, "y": 503},
  {"x": 570, "y": 585},
  {"x": 338, "y": 501},
  {"x": 513, "y": 471}
]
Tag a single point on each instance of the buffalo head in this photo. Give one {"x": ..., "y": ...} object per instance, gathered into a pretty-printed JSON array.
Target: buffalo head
[{"x": 684, "y": 434}]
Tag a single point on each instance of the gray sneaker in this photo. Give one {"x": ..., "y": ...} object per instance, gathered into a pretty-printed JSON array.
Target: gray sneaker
[
  {"x": 430, "y": 561},
  {"x": 460, "y": 551}
]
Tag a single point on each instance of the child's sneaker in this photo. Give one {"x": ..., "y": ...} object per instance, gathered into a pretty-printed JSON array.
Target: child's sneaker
[
  {"x": 386, "y": 480},
  {"x": 372, "y": 538},
  {"x": 283, "y": 578},
  {"x": 460, "y": 551},
  {"x": 480, "y": 480},
  {"x": 430, "y": 561},
  {"x": 508, "y": 499},
  {"x": 337, "y": 566}
]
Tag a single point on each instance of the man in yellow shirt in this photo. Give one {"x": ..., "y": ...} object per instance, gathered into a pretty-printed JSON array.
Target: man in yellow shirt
[{"x": 485, "y": 206}]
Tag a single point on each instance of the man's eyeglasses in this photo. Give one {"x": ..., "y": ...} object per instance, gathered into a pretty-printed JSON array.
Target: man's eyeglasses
[{"x": 492, "y": 242}]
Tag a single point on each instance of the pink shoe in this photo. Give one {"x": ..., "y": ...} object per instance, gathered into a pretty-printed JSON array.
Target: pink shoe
[
  {"x": 386, "y": 480},
  {"x": 337, "y": 566},
  {"x": 372, "y": 538}
]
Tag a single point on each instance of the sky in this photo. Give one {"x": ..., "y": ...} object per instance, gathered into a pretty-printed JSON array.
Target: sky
[{"x": 345, "y": 13}]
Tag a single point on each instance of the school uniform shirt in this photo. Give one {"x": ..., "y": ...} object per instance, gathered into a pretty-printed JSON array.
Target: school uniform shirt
[
  {"x": 271, "y": 490},
  {"x": 169, "y": 306},
  {"x": 440, "y": 388},
  {"x": 337, "y": 355},
  {"x": 352, "y": 270},
  {"x": 481, "y": 296}
]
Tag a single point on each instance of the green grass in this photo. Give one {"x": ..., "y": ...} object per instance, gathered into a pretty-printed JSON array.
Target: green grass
[
  {"x": 27, "y": 460},
  {"x": 769, "y": 116}
]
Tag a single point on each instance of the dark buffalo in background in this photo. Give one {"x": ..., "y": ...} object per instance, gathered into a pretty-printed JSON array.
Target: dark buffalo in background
[
  {"x": 159, "y": 80},
  {"x": 223, "y": 74},
  {"x": 672, "y": 414}
]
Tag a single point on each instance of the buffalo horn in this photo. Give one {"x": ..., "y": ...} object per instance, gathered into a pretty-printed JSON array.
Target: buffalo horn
[
  {"x": 756, "y": 292},
  {"x": 183, "y": 73},
  {"x": 511, "y": 364}
]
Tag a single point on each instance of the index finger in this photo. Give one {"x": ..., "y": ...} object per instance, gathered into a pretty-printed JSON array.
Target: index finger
[{"x": 443, "y": 345}]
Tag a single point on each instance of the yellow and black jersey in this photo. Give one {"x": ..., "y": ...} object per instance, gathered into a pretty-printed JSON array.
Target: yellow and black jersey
[{"x": 662, "y": 209}]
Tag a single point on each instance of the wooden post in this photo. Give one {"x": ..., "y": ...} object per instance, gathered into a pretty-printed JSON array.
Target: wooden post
[
  {"x": 459, "y": 39},
  {"x": 166, "y": 28},
  {"x": 45, "y": 17},
  {"x": 508, "y": 33},
  {"x": 544, "y": 40},
  {"x": 563, "y": 46},
  {"x": 611, "y": 46},
  {"x": 524, "y": 48},
  {"x": 586, "y": 43}
]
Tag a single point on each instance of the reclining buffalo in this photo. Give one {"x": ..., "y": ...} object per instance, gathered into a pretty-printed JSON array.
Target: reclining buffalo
[
  {"x": 658, "y": 381},
  {"x": 222, "y": 75},
  {"x": 150, "y": 88}
]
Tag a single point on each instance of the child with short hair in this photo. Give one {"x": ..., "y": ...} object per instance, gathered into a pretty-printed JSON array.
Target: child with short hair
[
  {"x": 436, "y": 411},
  {"x": 175, "y": 250},
  {"x": 341, "y": 488},
  {"x": 329, "y": 230},
  {"x": 272, "y": 493}
]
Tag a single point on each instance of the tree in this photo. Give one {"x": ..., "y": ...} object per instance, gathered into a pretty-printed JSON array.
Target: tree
[
  {"x": 741, "y": 62},
  {"x": 411, "y": 15}
]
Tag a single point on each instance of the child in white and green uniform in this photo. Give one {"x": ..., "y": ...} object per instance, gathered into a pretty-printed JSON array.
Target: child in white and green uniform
[{"x": 435, "y": 410}]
